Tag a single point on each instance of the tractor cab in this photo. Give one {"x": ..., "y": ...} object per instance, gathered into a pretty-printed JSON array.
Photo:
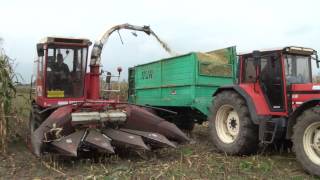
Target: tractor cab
[
  {"x": 279, "y": 79},
  {"x": 61, "y": 70}
]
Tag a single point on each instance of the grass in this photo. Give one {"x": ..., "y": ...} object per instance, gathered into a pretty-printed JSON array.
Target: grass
[{"x": 198, "y": 160}]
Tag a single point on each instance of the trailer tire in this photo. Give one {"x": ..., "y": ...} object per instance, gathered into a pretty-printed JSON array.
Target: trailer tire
[
  {"x": 231, "y": 129},
  {"x": 306, "y": 140}
]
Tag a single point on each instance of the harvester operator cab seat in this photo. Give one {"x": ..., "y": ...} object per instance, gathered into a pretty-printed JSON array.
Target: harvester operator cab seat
[
  {"x": 61, "y": 78},
  {"x": 61, "y": 68}
]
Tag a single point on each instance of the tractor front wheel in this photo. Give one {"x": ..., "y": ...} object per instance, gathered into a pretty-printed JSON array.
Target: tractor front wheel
[
  {"x": 230, "y": 126},
  {"x": 33, "y": 124},
  {"x": 35, "y": 118},
  {"x": 306, "y": 140}
]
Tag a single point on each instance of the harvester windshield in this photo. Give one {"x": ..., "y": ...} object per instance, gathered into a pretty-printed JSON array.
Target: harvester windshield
[
  {"x": 298, "y": 69},
  {"x": 66, "y": 68}
]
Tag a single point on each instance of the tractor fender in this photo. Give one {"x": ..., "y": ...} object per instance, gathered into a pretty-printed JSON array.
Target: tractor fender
[
  {"x": 292, "y": 119},
  {"x": 252, "y": 109}
]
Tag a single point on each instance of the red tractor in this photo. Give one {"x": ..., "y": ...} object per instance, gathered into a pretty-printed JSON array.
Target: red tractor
[
  {"x": 274, "y": 98},
  {"x": 68, "y": 114}
]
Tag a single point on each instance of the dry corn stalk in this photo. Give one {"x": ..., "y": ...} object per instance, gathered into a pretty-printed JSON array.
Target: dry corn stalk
[
  {"x": 3, "y": 129},
  {"x": 7, "y": 92}
]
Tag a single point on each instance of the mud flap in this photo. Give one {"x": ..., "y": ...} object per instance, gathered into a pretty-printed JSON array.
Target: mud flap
[
  {"x": 99, "y": 141},
  {"x": 126, "y": 139},
  {"x": 69, "y": 145},
  {"x": 155, "y": 139}
]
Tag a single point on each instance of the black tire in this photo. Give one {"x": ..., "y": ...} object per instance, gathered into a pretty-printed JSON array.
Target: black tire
[
  {"x": 300, "y": 130},
  {"x": 33, "y": 122},
  {"x": 35, "y": 118},
  {"x": 246, "y": 140}
]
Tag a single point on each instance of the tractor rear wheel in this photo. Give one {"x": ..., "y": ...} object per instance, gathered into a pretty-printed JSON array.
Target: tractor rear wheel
[
  {"x": 306, "y": 140},
  {"x": 230, "y": 126}
]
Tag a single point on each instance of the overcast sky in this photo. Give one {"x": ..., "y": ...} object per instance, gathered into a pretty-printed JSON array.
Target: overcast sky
[{"x": 185, "y": 25}]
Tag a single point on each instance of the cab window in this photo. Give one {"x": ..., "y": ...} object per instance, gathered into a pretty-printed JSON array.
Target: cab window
[
  {"x": 65, "y": 72},
  {"x": 249, "y": 70}
]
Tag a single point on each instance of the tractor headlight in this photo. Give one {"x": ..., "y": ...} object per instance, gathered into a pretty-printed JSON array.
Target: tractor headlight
[{"x": 300, "y": 50}]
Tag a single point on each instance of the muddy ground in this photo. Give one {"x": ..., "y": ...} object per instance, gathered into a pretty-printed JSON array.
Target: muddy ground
[{"x": 198, "y": 160}]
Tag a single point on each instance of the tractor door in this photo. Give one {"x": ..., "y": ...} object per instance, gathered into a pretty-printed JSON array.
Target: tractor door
[{"x": 271, "y": 81}]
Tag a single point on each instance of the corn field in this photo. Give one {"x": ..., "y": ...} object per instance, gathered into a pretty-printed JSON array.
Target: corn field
[{"x": 7, "y": 93}]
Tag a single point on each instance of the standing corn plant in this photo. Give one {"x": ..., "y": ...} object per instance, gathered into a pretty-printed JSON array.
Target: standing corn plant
[{"x": 7, "y": 93}]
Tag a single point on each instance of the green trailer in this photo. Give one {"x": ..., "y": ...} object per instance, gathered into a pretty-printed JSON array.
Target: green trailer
[{"x": 183, "y": 84}]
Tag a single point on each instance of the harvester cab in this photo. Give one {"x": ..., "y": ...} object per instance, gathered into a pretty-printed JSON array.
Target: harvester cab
[
  {"x": 61, "y": 71},
  {"x": 274, "y": 98},
  {"x": 68, "y": 114}
]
